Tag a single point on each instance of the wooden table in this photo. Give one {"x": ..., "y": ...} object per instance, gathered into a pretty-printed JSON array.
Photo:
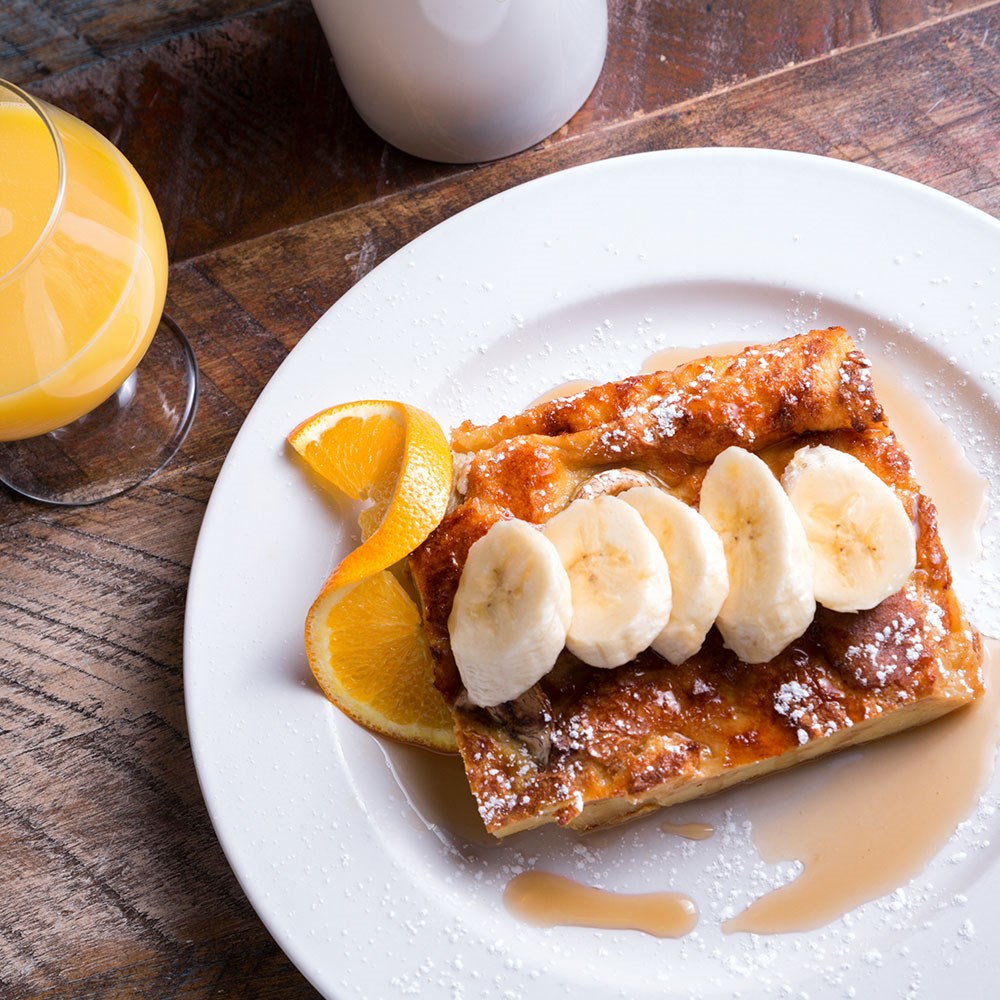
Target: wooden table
[{"x": 276, "y": 199}]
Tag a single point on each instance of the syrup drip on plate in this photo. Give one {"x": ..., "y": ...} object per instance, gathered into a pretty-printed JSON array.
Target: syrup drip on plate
[
  {"x": 872, "y": 818},
  {"x": 545, "y": 900},
  {"x": 689, "y": 831}
]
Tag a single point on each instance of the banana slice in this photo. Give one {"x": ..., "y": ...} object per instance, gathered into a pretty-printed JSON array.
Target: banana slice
[
  {"x": 861, "y": 536},
  {"x": 770, "y": 564},
  {"x": 511, "y": 611},
  {"x": 696, "y": 559},
  {"x": 618, "y": 576}
]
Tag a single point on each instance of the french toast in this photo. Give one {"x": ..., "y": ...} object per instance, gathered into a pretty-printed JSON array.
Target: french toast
[{"x": 588, "y": 747}]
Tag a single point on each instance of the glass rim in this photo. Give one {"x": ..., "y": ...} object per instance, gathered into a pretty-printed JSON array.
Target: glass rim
[{"x": 60, "y": 194}]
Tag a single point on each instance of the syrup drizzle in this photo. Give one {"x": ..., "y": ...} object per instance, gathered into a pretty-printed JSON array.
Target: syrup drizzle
[
  {"x": 689, "y": 831},
  {"x": 545, "y": 900}
]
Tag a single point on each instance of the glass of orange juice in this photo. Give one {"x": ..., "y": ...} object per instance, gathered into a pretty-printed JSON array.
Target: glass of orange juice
[{"x": 91, "y": 403}]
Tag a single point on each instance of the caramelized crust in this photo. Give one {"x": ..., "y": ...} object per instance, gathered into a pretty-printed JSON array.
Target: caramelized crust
[{"x": 620, "y": 742}]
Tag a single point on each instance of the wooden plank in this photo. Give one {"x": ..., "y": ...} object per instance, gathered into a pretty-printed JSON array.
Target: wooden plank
[
  {"x": 39, "y": 38},
  {"x": 251, "y": 970}
]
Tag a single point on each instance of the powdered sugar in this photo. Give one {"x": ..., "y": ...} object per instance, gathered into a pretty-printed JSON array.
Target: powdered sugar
[{"x": 667, "y": 413}]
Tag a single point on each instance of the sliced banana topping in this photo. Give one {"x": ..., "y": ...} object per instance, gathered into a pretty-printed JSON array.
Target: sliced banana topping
[
  {"x": 618, "y": 577},
  {"x": 612, "y": 575},
  {"x": 511, "y": 612},
  {"x": 770, "y": 600},
  {"x": 697, "y": 563},
  {"x": 860, "y": 534},
  {"x": 613, "y": 482}
]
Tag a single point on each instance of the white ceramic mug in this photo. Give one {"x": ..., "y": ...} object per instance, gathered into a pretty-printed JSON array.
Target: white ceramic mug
[{"x": 462, "y": 81}]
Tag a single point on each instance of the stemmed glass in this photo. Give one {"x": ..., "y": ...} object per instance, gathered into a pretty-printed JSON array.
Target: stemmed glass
[{"x": 91, "y": 402}]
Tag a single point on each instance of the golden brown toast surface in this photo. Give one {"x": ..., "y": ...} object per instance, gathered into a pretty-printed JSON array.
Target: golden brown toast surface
[{"x": 596, "y": 746}]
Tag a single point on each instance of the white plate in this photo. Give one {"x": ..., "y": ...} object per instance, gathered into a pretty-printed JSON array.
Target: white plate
[{"x": 337, "y": 838}]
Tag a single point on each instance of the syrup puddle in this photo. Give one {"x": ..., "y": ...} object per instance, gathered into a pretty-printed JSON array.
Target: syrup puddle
[
  {"x": 874, "y": 818},
  {"x": 689, "y": 831},
  {"x": 545, "y": 900}
]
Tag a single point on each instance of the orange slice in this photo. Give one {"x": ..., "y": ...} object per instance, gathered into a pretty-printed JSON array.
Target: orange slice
[
  {"x": 370, "y": 656},
  {"x": 391, "y": 454}
]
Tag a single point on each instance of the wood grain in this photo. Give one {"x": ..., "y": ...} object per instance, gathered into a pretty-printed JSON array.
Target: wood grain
[
  {"x": 278, "y": 200},
  {"x": 39, "y": 38}
]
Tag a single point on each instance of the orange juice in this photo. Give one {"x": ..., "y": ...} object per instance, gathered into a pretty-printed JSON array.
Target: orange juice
[{"x": 83, "y": 270}]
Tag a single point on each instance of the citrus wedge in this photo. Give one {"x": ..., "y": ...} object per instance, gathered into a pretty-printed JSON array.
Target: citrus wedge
[
  {"x": 391, "y": 454},
  {"x": 370, "y": 656}
]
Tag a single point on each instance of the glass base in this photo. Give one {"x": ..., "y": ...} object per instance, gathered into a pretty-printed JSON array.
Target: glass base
[{"x": 120, "y": 444}]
